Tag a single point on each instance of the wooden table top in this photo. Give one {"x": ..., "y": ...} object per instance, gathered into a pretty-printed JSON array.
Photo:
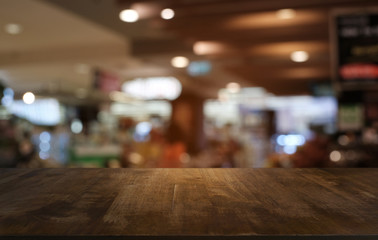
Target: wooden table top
[{"x": 189, "y": 203}]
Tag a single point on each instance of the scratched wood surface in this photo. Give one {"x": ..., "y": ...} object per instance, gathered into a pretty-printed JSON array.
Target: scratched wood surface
[{"x": 188, "y": 202}]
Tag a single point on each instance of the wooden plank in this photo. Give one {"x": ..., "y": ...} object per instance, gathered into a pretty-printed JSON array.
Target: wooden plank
[{"x": 189, "y": 203}]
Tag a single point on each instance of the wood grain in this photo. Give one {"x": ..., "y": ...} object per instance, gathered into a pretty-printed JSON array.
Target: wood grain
[{"x": 189, "y": 203}]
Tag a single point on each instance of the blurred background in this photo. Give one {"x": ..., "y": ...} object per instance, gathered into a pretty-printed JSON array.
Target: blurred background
[{"x": 188, "y": 83}]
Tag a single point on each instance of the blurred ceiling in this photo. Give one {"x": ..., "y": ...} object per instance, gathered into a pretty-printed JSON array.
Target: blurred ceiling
[{"x": 245, "y": 41}]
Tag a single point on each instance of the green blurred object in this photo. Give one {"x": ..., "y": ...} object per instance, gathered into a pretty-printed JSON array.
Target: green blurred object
[{"x": 93, "y": 159}]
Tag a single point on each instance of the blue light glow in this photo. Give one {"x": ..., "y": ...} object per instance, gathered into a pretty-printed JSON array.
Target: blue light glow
[
  {"x": 198, "y": 68},
  {"x": 294, "y": 140},
  {"x": 290, "y": 140},
  {"x": 45, "y": 137},
  {"x": 290, "y": 149},
  {"x": 143, "y": 128},
  {"x": 8, "y": 92},
  {"x": 7, "y": 100},
  {"x": 44, "y": 155},
  {"x": 41, "y": 112},
  {"x": 44, "y": 146},
  {"x": 281, "y": 140}
]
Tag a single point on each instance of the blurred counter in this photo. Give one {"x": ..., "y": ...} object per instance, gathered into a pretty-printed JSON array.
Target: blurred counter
[
  {"x": 189, "y": 203},
  {"x": 94, "y": 156}
]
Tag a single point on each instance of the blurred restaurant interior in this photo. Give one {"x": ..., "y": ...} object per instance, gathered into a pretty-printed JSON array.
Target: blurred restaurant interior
[{"x": 188, "y": 83}]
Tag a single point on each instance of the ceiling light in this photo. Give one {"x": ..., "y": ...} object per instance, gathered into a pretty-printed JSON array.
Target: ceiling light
[
  {"x": 286, "y": 13},
  {"x": 167, "y": 14},
  {"x": 28, "y": 98},
  {"x": 13, "y": 28},
  {"x": 207, "y": 47},
  {"x": 129, "y": 15},
  {"x": 153, "y": 88},
  {"x": 180, "y": 62},
  {"x": 299, "y": 56},
  {"x": 233, "y": 87}
]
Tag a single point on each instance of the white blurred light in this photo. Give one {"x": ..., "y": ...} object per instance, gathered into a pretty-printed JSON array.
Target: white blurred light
[
  {"x": 286, "y": 13},
  {"x": 299, "y": 56},
  {"x": 233, "y": 87},
  {"x": 180, "y": 62},
  {"x": 143, "y": 128},
  {"x": 281, "y": 140},
  {"x": 13, "y": 28},
  {"x": 335, "y": 156},
  {"x": 290, "y": 140},
  {"x": 28, "y": 98},
  {"x": 294, "y": 140},
  {"x": 129, "y": 15},
  {"x": 44, "y": 146},
  {"x": 44, "y": 155},
  {"x": 76, "y": 126},
  {"x": 45, "y": 137},
  {"x": 46, "y": 112},
  {"x": 290, "y": 149},
  {"x": 167, "y": 14},
  {"x": 152, "y": 88}
]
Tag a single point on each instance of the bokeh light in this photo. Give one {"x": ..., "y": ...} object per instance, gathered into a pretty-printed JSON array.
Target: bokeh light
[
  {"x": 28, "y": 98},
  {"x": 129, "y": 15},
  {"x": 180, "y": 62},
  {"x": 167, "y": 14},
  {"x": 299, "y": 56}
]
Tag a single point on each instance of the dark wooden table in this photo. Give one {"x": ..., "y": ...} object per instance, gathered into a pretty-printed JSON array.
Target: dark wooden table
[{"x": 189, "y": 204}]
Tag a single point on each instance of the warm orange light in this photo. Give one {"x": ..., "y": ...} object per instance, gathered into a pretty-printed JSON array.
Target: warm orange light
[
  {"x": 304, "y": 72},
  {"x": 180, "y": 62},
  {"x": 207, "y": 47},
  {"x": 286, "y": 13},
  {"x": 286, "y": 48},
  {"x": 272, "y": 19},
  {"x": 299, "y": 56}
]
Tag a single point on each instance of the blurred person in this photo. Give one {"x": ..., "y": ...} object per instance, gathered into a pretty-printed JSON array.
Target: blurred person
[
  {"x": 314, "y": 153},
  {"x": 124, "y": 137},
  {"x": 229, "y": 147},
  {"x": 26, "y": 149},
  {"x": 154, "y": 146},
  {"x": 9, "y": 147},
  {"x": 174, "y": 147},
  {"x": 61, "y": 140}
]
